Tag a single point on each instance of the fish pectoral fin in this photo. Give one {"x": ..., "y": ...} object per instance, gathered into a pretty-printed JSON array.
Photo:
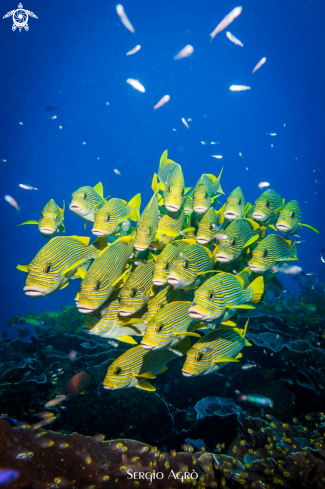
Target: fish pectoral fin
[
  {"x": 85, "y": 223},
  {"x": 152, "y": 256},
  {"x": 184, "y": 345},
  {"x": 247, "y": 343},
  {"x": 127, "y": 339},
  {"x": 240, "y": 355},
  {"x": 22, "y": 268},
  {"x": 146, "y": 386},
  {"x": 251, "y": 240},
  {"x": 147, "y": 375},
  {"x": 247, "y": 208},
  {"x": 83, "y": 239},
  {"x": 225, "y": 360},
  {"x": 301, "y": 224},
  {"x": 187, "y": 189},
  {"x": 228, "y": 322},
  {"x": 163, "y": 369},
  {"x": 99, "y": 189},
  {"x": 73, "y": 265},
  {"x": 31, "y": 221},
  {"x": 81, "y": 272},
  {"x": 241, "y": 306},
  {"x": 271, "y": 226},
  {"x": 196, "y": 335},
  {"x": 257, "y": 286},
  {"x": 119, "y": 278},
  {"x": 188, "y": 230},
  {"x": 209, "y": 271},
  {"x": 171, "y": 233},
  {"x": 134, "y": 206},
  {"x": 62, "y": 228},
  {"x": 64, "y": 285}
]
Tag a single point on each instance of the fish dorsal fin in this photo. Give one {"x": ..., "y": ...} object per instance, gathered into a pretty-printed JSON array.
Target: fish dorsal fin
[
  {"x": 242, "y": 332},
  {"x": 134, "y": 206},
  {"x": 164, "y": 159},
  {"x": 124, "y": 239},
  {"x": 283, "y": 202},
  {"x": 99, "y": 189},
  {"x": 81, "y": 272},
  {"x": 27, "y": 222},
  {"x": 61, "y": 211},
  {"x": 146, "y": 386},
  {"x": 124, "y": 202},
  {"x": 251, "y": 240},
  {"x": 212, "y": 177},
  {"x": 184, "y": 345},
  {"x": 127, "y": 339},
  {"x": 220, "y": 174},
  {"x": 83, "y": 239},
  {"x": 228, "y": 322},
  {"x": 22, "y": 268},
  {"x": 146, "y": 375},
  {"x": 154, "y": 184},
  {"x": 254, "y": 224},
  {"x": 306, "y": 226}
]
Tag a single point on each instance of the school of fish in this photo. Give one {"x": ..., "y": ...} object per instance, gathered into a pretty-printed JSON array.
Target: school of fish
[{"x": 170, "y": 279}]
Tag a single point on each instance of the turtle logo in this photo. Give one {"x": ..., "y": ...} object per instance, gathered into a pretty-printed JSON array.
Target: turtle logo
[{"x": 20, "y": 18}]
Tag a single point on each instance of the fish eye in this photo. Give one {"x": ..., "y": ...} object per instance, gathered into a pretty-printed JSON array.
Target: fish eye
[
  {"x": 159, "y": 327},
  {"x": 133, "y": 292},
  {"x": 117, "y": 371},
  {"x": 210, "y": 297},
  {"x": 292, "y": 214},
  {"x": 108, "y": 217},
  {"x": 233, "y": 242},
  {"x": 206, "y": 195},
  {"x": 84, "y": 196},
  {"x": 265, "y": 254},
  {"x": 97, "y": 286},
  {"x": 239, "y": 202},
  {"x": 268, "y": 203},
  {"x": 149, "y": 231},
  {"x": 183, "y": 190},
  {"x": 48, "y": 268},
  {"x": 168, "y": 188},
  {"x": 166, "y": 265},
  {"x": 41, "y": 216},
  {"x": 199, "y": 356},
  {"x": 186, "y": 265}
]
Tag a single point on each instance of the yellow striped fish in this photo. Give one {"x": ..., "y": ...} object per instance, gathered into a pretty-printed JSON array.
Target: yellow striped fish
[
  {"x": 57, "y": 262},
  {"x": 169, "y": 327},
  {"x": 165, "y": 296},
  {"x": 214, "y": 350},
  {"x": 137, "y": 290},
  {"x": 170, "y": 226},
  {"x": 290, "y": 218},
  {"x": 108, "y": 324},
  {"x": 50, "y": 220},
  {"x": 271, "y": 250},
  {"x": 208, "y": 226},
  {"x": 220, "y": 296},
  {"x": 240, "y": 234},
  {"x": 148, "y": 223},
  {"x": 103, "y": 274},
  {"x": 188, "y": 269},
  {"x": 267, "y": 207},
  {"x": 109, "y": 217},
  {"x": 86, "y": 200},
  {"x": 188, "y": 202},
  {"x": 171, "y": 182},
  {"x": 206, "y": 191},
  {"x": 135, "y": 366},
  {"x": 164, "y": 260},
  {"x": 235, "y": 207}
]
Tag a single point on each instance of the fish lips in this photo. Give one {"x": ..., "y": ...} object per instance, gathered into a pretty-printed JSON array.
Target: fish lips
[
  {"x": 195, "y": 314},
  {"x": 201, "y": 240},
  {"x": 200, "y": 209},
  {"x": 231, "y": 215},
  {"x": 34, "y": 292},
  {"x": 175, "y": 282},
  {"x": 256, "y": 268},
  {"x": 147, "y": 346},
  {"x": 77, "y": 209},
  {"x": 126, "y": 312},
  {"x": 84, "y": 309},
  {"x": 186, "y": 373},
  {"x": 282, "y": 227},
  {"x": 99, "y": 232},
  {"x": 140, "y": 248},
  {"x": 172, "y": 207},
  {"x": 259, "y": 216},
  {"x": 223, "y": 258},
  {"x": 47, "y": 231},
  {"x": 158, "y": 282}
]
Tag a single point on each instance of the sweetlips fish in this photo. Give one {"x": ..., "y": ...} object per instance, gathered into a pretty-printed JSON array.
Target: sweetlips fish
[
  {"x": 86, "y": 200},
  {"x": 58, "y": 261},
  {"x": 220, "y": 296},
  {"x": 235, "y": 206},
  {"x": 267, "y": 207},
  {"x": 170, "y": 226},
  {"x": 134, "y": 367},
  {"x": 290, "y": 218},
  {"x": 165, "y": 296},
  {"x": 208, "y": 226},
  {"x": 206, "y": 191},
  {"x": 171, "y": 182},
  {"x": 188, "y": 269},
  {"x": 50, "y": 220},
  {"x": 240, "y": 234},
  {"x": 164, "y": 260},
  {"x": 104, "y": 273},
  {"x": 113, "y": 213},
  {"x": 188, "y": 202},
  {"x": 271, "y": 250},
  {"x": 214, "y": 350},
  {"x": 169, "y": 326},
  {"x": 137, "y": 290},
  {"x": 107, "y": 323},
  {"x": 148, "y": 223}
]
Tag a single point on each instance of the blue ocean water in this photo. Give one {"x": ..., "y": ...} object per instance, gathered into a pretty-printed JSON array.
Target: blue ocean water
[{"x": 73, "y": 57}]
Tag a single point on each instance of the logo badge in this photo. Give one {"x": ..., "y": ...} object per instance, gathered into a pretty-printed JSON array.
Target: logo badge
[{"x": 20, "y": 18}]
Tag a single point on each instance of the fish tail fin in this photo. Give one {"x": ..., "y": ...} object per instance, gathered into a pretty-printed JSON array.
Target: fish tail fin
[
  {"x": 154, "y": 184},
  {"x": 247, "y": 208},
  {"x": 257, "y": 289},
  {"x": 134, "y": 206},
  {"x": 163, "y": 159},
  {"x": 217, "y": 185},
  {"x": 220, "y": 214},
  {"x": 293, "y": 251},
  {"x": 99, "y": 189}
]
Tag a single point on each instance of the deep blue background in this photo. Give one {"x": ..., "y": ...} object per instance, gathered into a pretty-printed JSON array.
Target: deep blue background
[{"x": 74, "y": 57}]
